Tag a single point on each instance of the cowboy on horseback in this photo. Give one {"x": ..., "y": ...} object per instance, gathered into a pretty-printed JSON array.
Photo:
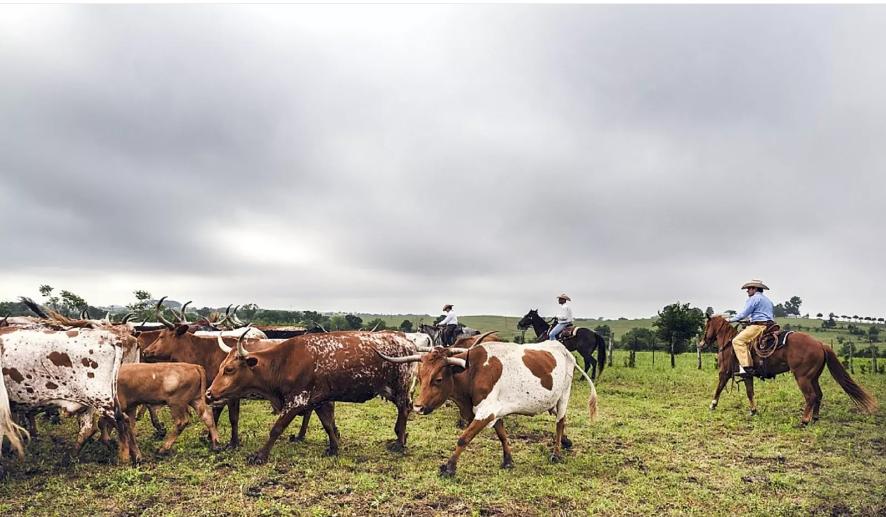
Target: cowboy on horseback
[
  {"x": 759, "y": 310},
  {"x": 449, "y": 326},
  {"x": 564, "y": 317}
]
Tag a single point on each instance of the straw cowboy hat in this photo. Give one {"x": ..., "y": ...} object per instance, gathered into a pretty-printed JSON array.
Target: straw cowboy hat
[
  {"x": 754, "y": 283},
  {"x": 564, "y": 297},
  {"x": 447, "y": 306}
]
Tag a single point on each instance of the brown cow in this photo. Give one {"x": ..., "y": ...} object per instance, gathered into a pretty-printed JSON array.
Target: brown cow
[
  {"x": 312, "y": 371},
  {"x": 490, "y": 381},
  {"x": 177, "y": 385}
]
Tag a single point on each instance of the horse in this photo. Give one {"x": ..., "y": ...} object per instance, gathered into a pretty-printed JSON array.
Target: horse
[
  {"x": 436, "y": 333},
  {"x": 584, "y": 341},
  {"x": 802, "y": 355}
]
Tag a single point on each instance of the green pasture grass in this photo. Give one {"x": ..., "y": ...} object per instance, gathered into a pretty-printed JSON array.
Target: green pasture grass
[{"x": 655, "y": 450}]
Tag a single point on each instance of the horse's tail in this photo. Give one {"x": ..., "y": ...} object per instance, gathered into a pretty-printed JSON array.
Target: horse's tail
[
  {"x": 592, "y": 401},
  {"x": 859, "y": 396},
  {"x": 601, "y": 353}
]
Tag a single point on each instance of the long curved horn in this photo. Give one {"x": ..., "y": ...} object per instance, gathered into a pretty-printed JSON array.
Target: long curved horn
[
  {"x": 482, "y": 337},
  {"x": 223, "y": 320},
  {"x": 126, "y": 318},
  {"x": 458, "y": 350},
  {"x": 5, "y": 322},
  {"x": 182, "y": 313},
  {"x": 323, "y": 329},
  {"x": 82, "y": 312},
  {"x": 455, "y": 361},
  {"x": 375, "y": 327},
  {"x": 405, "y": 359},
  {"x": 160, "y": 317},
  {"x": 144, "y": 322},
  {"x": 234, "y": 319},
  {"x": 221, "y": 344},
  {"x": 425, "y": 349},
  {"x": 240, "y": 350},
  {"x": 107, "y": 319}
]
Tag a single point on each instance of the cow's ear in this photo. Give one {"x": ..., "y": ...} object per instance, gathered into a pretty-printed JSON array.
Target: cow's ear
[
  {"x": 251, "y": 362},
  {"x": 181, "y": 330}
]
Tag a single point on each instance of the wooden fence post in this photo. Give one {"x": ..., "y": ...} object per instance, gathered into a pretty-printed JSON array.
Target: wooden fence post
[
  {"x": 609, "y": 359},
  {"x": 698, "y": 351},
  {"x": 874, "y": 358},
  {"x": 673, "y": 364}
]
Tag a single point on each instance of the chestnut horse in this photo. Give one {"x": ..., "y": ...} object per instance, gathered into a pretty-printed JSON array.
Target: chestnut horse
[{"x": 802, "y": 355}]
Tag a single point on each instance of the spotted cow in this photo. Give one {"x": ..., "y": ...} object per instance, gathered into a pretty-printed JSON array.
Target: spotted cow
[
  {"x": 75, "y": 370},
  {"x": 313, "y": 371},
  {"x": 490, "y": 381},
  {"x": 8, "y": 429}
]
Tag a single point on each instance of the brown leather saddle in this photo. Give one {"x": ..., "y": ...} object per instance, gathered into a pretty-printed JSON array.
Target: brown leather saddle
[
  {"x": 568, "y": 333},
  {"x": 766, "y": 344}
]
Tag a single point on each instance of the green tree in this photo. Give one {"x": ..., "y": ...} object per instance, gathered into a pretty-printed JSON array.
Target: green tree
[
  {"x": 779, "y": 311},
  {"x": 51, "y": 301},
  {"x": 604, "y": 331},
  {"x": 792, "y": 306},
  {"x": 438, "y": 319},
  {"x": 677, "y": 324},
  {"x": 339, "y": 323},
  {"x": 372, "y": 324},
  {"x": 638, "y": 338},
  {"x": 354, "y": 322},
  {"x": 874, "y": 334},
  {"x": 248, "y": 311},
  {"x": 72, "y": 304},
  {"x": 142, "y": 307},
  {"x": 406, "y": 326}
]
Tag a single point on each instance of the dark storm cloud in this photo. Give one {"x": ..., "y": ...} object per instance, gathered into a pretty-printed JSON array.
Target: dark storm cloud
[{"x": 393, "y": 158}]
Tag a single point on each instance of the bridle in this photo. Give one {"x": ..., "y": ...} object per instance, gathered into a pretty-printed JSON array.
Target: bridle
[{"x": 720, "y": 336}]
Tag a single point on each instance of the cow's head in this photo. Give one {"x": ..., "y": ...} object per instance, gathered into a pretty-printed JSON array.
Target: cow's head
[
  {"x": 163, "y": 345},
  {"x": 236, "y": 373},
  {"x": 436, "y": 371}
]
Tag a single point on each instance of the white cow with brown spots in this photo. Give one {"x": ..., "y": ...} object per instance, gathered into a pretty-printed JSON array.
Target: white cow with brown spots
[
  {"x": 490, "y": 381},
  {"x": 8, "y": 429},
  {"x": 75, "y": 370}
]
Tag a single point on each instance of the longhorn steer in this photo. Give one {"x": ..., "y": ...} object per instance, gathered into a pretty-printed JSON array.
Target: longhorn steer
[
  {"x": 313, "y": 371},
  {"x": 75, "y": 370},
  {"x": 178, "y": 385},
  {"x": 490, "y": 381}
]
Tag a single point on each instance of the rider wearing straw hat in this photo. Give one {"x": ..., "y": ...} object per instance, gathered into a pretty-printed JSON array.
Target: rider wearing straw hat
[
  {"x": 564, "y": 317},
  {"x": 759, "y": 310},
  {"x": 449, "y": 325}
]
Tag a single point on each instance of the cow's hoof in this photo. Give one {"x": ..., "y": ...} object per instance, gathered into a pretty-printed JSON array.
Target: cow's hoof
[
  {"x": 66, "y": 460},
  {"x": 712, "y": 407},
  {"x": 233, "y": 444},
  {"x": 159, "y": 433},
  {"x": 396, "y": 447},
  {"x": 461, "y": 424},
  {"x": 814, "y": 419},
  {"x": 566, "y": 443},
  {"x": 293, "y": 438},
  {"x": 216, "y": 447},
  {"x": 753, "y": 412},
  {"x": 446, "y": 472},
  {"x": 256, "y": 459},
  {"x": 330, "y": 452},
  {"x": 164, "y": 452},
  {"x": 555, "y": 458},
  {"x": 508, "y": 464}
]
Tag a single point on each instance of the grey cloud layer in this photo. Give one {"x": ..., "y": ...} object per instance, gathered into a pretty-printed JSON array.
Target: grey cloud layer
[{"x": 392, "y": 158}]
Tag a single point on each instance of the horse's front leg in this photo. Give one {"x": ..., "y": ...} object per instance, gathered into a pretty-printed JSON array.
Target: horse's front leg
[
  {"x": 724, "y": 378},
  {"x": 749, "y": 388}
]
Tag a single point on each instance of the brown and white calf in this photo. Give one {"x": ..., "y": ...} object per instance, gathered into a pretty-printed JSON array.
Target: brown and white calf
[
  {"x": 177, "y": 385},
  {"x": 75, "y": 370},
  {"x": 490, "y": 381},
  {"x": 313, "y": 371}
]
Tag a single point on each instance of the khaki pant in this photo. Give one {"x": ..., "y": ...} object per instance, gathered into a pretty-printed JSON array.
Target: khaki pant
[{"x": 742, "y": 340}]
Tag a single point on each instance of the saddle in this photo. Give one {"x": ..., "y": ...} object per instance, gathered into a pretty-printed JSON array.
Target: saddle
[
  {"x": 568, "y": 333},
  {"x": 772, "y": 339}
]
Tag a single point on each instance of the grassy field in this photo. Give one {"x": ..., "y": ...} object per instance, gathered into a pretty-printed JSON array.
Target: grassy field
[
  {"x": 655, "y": 449},
  {"x": 507, "y": 326}
]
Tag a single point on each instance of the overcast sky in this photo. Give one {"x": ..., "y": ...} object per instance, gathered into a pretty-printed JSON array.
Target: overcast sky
[{"x": 394, "y": 158}]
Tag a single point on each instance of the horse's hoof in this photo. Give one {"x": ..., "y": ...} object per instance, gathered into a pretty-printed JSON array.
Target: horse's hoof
[
  {"x": 555, "y": 458},
  {"x": 566, "y": 443},
  {"x": 446, "y": 472},
  {"x": 256, "y": 459},
  {"x": 508, "y": 464},
  {"x": 293, "y": 438},
  {"x": 396, "y": 447},
  {"x": 330, "y": 452}
]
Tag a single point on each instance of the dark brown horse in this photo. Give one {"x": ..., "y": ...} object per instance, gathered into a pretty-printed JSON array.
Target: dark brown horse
[
  {"x": 802, "y": 355},
  {"x": 584, "y": 342}
]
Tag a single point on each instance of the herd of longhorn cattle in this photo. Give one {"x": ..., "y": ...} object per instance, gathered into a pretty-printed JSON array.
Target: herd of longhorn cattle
[{"x": 96, "y": 369}]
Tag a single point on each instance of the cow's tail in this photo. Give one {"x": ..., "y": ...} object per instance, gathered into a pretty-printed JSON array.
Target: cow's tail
[
  {"x": 7, "y": 426},
  {"x": 859, "y": 396},
  {"x": 592, "y": 401}
]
